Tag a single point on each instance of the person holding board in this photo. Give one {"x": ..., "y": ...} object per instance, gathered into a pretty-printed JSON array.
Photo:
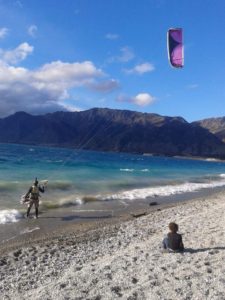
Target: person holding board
[{"x": 33, "y": 197}]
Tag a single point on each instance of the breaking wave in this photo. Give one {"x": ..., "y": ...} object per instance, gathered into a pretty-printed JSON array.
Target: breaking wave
[
  {"x": 166, "y": 190},
  {"x": 10, "y": 216}
]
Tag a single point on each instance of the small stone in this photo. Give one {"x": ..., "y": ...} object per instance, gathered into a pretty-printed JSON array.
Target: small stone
[
  {"x": 134, "y": 280},
  {"x": 117, "y": 290},
  {"x": 153, "y": 203}
]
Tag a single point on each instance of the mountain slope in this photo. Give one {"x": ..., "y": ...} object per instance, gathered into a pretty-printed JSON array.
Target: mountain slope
[
  {"x": 113, "y": 130},
  {"x": 215, "y": 126}
]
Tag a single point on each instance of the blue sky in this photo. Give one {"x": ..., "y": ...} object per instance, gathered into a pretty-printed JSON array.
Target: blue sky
[{"x": 73, "y": 55}]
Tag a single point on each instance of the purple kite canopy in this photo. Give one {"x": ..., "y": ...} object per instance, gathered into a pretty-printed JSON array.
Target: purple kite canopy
[{"x": 175, "y": 47}]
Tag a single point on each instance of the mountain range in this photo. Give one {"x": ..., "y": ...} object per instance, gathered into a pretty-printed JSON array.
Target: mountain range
[
  {"x": 215, "y": 126},
  {"x": 104, "y": 129}
]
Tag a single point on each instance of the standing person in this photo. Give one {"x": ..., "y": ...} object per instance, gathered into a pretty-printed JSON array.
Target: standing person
[
  {"x": 33, "y": 195},
  {"x": 173, "y": 240}
]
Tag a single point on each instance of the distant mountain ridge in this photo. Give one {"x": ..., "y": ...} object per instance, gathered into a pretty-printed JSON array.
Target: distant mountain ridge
[
  {"x": 215, "y": 126},
  {"x": 104, "y": 129}
]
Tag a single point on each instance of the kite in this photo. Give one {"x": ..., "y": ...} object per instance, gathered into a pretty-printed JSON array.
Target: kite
[{"x": 175, "y": 47}]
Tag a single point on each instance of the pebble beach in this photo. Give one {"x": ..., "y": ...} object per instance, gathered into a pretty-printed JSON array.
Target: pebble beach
[{"x": 124, "y": 259}]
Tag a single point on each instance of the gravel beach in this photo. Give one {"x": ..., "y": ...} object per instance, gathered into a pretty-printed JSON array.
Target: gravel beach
[{"x": 123, "y": 259}]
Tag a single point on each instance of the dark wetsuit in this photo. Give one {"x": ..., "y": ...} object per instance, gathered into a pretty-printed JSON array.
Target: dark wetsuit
[
  {"x": 173, "y": 241},
  {"x": 33, "y": 193}
]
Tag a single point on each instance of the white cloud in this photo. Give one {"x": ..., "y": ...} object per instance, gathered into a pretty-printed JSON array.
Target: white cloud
[
  {"x": 68, "y": 74},
  {"x": 3, "y": 32},
  {"x": 112, "y": 36},
  {"x": 32, "y": 30},
  {"x": 141, "y": 69},
  {"x": 47, "y": 88},
  {"x": 141, "y": 99},
  {"x": 16, "y": 55},
  {"x": 126, "y": 54},
  {"x": 70, "y": 107},
  {"x": 105, "y": 86}
]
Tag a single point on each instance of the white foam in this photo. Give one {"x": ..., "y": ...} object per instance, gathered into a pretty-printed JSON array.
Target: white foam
[
  {"x": 28, "y": 230},
  {"x": 78, "y": 201},
  {"x": 9, "y": 216},
  {"x": 222, "y": 175},
  {"x": 145, "y": 170},
  {"x": 126, "y": 170},
  {"x": 166, "y": 190},
  {"x": 70, "y": 200},
  {"x": 212, "y": 159}
]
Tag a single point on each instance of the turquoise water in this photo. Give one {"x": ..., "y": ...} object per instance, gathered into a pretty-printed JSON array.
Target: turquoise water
[{"x": 75, "y": 175}]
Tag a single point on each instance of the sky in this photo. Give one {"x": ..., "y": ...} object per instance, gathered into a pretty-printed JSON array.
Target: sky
[{"x": 79, "y": 54}]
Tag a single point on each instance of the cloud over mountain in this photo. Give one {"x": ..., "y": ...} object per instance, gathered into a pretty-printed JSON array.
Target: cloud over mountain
[
  {"x": 141, "y": 99},
  {"x": 46, "y": 88}
]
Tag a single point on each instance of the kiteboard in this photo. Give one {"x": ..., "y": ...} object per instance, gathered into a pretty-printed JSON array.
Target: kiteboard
[{"x": 43, "y": 182}]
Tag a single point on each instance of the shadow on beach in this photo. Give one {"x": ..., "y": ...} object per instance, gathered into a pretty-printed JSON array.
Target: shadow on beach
[{"x": 190, "y": 250}]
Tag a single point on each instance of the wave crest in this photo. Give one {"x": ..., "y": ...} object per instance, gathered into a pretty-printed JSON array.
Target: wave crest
[
  {"x": 9, "y": 216},
  {"x": 166, "y": 190}
]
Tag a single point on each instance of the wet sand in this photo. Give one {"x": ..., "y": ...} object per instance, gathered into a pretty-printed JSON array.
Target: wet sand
[
  {"x": 119, "y": 257},
  {"x": 75, "y": 219}
]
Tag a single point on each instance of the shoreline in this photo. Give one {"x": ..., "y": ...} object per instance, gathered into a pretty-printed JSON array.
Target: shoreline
[
  {"x": 54, "y": 223},
  {"x": 123, "y": 260}
]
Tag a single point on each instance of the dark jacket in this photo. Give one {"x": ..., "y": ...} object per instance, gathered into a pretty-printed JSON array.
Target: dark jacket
[
  {"x": 33, "y": 192},
  {"x": 173, "y": 241}
]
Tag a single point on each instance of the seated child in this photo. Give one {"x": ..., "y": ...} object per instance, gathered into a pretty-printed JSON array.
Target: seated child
[{"x": 173, "y": 240}]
